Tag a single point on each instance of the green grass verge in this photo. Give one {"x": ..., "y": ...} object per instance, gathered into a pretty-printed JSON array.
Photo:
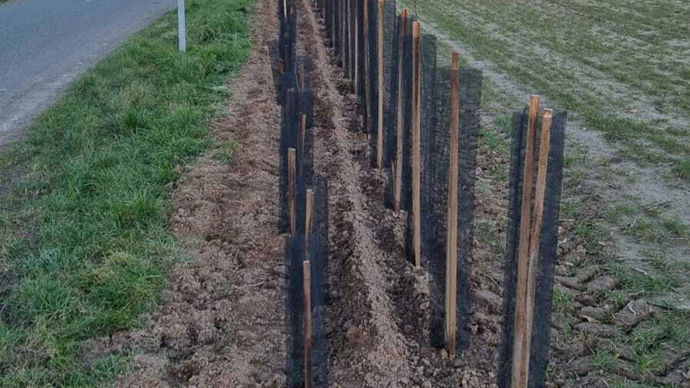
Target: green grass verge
[{"x": 85, "y": 241}]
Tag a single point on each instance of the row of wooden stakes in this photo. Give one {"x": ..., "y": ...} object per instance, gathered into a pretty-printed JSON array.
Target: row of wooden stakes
[
  {"x": 531, "y": 217},
  {"x": 531, "y": 203}
]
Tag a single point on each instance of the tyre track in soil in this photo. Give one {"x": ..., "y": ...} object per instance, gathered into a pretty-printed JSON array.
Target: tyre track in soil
[
  {"x": 378, "y": 309},
  {"x": 223, "y": 321}
]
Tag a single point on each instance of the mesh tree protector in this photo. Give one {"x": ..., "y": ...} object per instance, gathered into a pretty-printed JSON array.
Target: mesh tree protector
[
  {"x": 294, "y": 344},
  {"x": 274, "y": 54},
  {"x": 286, "y": 48},
  {"x": 318, "y": 257},
  {"x": 436, "y": 149},
  {"x": 286, "y": 43},
  {"x": 392, "y": 36},
  {"x": 332, "y": 23},
  {"x": 297, "y": 101},
  {"x": 352, "y": 30},
  {"x": 360, "y": 57},
  {"x": 429, "y": 100},
  {"x": 338, "y": 29},
  {"x": 288, "y": 139},
  {"x": 548, "y": 245},
  {"x": 294, "y": 256},
  {"x": 369, "y": 64},
  {"x": 403, "y": 93},
  {"x": 470, "y": 100},
  {"x": 406, "y": 198},
  {"x": 306, "y": 89},
  {"x": 295, "y": 250},
  {"x": 389, "y": 30},
  {"x": 342, "y": 26},
  {"x": 371, "y": 121}
]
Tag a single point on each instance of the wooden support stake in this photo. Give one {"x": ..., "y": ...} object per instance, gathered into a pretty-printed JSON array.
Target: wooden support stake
[
  {"x": 379, "y": 79},
  {"x": 417, "y": 142},
  {"x": 533, "y": 267},
  {"x": 309, "y": 222},
  {"x": 303, "y": 133},
  {"x": 520, "y": 369},
  {"x": 367, "y": 67},
  {"x": 452, "y": 219},
  {"x": 306, "y": 273},
  {"x": 397, "y": 184},
  {"x": 292, "y": 189}
]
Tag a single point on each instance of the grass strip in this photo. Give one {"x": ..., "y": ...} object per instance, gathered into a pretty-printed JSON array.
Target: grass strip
[{"x": 85, "y": 240}]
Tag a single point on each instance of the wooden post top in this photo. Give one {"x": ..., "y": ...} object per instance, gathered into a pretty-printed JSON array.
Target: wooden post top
[
  {"x": 416, "y": 29},
  {"x": 455, "y": 61}
]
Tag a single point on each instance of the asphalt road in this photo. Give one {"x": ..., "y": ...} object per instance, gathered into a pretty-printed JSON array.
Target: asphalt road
[{"x": 46, "y": 44}]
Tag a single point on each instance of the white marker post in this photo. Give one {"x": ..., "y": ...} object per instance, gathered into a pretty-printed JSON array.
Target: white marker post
[{"x": 181, "y": 29}]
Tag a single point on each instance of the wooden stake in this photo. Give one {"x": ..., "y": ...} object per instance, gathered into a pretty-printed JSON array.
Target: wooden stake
[
  {"x": 292, "y": 190},
  {"x": 379, "y": 79},
  {"x": 306, "y": 273},
  {"x": 452, "y": 219},
  {"x": 397, "y": 184},
  {"x": 417, "y": 142},
  {"x": 303, "y": 133},
  {"x": 309, "y": 222},
  {"x": 367, "y": 67},
  {"x": 533, "y": 267},
  {"x": 520, "y": 369}
]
